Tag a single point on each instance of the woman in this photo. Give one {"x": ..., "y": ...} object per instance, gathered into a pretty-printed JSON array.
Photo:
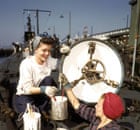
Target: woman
[
  {"x": 101, "y": 117},
  {"x": 35, "y": 85}
]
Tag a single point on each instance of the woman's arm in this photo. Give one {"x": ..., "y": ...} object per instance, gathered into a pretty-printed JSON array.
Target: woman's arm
[
  {"x": 72, "y": 98},
  {"x": 26, "y": 81}
]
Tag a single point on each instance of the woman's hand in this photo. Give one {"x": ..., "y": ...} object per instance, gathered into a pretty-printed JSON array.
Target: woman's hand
[
  {"x": 48, "y": 90},
  {"x": 64, "y": 81}
]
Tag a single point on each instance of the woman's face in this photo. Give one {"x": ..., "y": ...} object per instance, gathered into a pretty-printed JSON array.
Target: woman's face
[
  {"x": 99, "y": 108},
  {"x": 42, "y": 53}
]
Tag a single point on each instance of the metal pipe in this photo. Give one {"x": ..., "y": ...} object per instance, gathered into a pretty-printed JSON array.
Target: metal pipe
[
  {"x": 134, "y": 57},
  {"x": 70, "y": 24}
]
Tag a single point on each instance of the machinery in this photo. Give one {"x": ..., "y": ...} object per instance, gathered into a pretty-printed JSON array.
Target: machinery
[{"x": 95, "y": 69}]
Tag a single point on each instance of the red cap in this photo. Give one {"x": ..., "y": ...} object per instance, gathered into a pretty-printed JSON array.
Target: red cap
[{"x": 113, "y": 106}]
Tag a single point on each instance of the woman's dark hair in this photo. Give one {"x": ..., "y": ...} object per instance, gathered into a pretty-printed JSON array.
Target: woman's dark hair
[{"x": 46, "y": 40}]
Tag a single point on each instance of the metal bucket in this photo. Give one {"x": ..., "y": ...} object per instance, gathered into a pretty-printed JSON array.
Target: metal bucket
[{"x": 59, "y": 108}]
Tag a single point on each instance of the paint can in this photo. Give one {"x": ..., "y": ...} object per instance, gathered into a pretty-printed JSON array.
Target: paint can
[{"x": 59, "y": 108}]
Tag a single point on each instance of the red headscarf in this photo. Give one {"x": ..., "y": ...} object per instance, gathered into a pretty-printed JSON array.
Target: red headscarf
[{"x": 113, "y": 106}]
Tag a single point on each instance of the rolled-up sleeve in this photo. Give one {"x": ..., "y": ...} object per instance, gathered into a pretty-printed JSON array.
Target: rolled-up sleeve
[{"x": 86, "y": 112}]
